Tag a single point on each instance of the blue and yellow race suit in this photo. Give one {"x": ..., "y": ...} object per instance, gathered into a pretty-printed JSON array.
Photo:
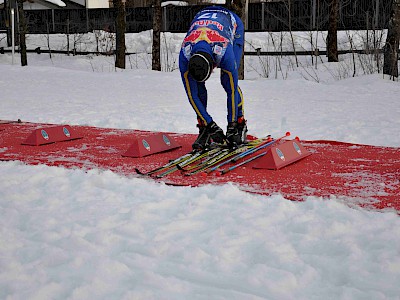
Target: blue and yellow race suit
[{"x": 220, "y": 33}]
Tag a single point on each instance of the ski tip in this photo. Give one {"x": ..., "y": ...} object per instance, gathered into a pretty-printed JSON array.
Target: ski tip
[
  {"x": 287, "y": 133},
  {"x": 138, "y": 171},
  {"x": 297, "y": 138}
]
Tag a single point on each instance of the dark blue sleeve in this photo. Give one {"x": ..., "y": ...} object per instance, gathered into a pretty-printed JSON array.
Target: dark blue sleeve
[
  {"x": 192, "y": 90},
  {"x": 239, "y": 34}
]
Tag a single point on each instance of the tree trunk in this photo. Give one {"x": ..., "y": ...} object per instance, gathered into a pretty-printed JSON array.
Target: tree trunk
[
  {"x": 156, "y": 49},
  {"x": 290, "y": 15},
  {"x": 239, "y": 8},
  {"x": 120, "y": 27},
  {"x": 7, "y": 10},
  {"x": 22, "y": 33},
  {"x": 332, "y": 47},
  {"x": 391, "y": 49}
]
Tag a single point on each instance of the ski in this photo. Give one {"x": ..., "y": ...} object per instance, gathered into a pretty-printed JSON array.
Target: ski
[
  {"x": 243, "y": 162},
  {"x": 166, "y": 166},
  {"x": 223, "y": 156},
  {"x": 185, "y": 157},
  {"x": 248, "y": 152},
  {"x": 204, "y": 161},
  {"x": 208, "y": 160},
  {"x": 197, "y": 156},
  {"x": 219, "y": 156}
]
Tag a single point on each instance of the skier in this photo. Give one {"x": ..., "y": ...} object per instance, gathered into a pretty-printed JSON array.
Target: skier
[{"x": 215, "y": 39}]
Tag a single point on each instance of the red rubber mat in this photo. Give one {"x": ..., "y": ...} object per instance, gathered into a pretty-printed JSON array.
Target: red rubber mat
[{"x": 364, "y": 175}]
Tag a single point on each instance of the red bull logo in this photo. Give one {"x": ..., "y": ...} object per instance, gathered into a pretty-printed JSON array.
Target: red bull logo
[
  {"x": 206, "y": 34},
  {"x": 203, "y": 23}
]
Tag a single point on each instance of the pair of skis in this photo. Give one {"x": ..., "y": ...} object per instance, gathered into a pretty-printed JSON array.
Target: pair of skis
[
  {"x": 182, "y": 161},
  {"x": 248, "y": 153},
  {"x": 214, "y": 159},
  {"x": 217, "y": 159},
  {"x": 194, "y": 160}
]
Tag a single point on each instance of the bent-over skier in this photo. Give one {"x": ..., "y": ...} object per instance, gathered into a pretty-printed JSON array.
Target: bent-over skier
[{"x": 215, "y": 39}]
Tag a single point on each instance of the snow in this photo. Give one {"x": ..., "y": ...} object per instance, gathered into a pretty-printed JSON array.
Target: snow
[
  {"x": 76, "y": 234},
  {"x": 176, "y": 3},
  {"x": 56, "y": 2},
  {"x": 217, "y": 1}
]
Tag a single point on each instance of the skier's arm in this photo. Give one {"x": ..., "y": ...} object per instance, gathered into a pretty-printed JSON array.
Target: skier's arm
[{"x": 191, "y": 88}]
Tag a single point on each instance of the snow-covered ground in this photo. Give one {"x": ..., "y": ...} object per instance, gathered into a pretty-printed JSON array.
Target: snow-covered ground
[{"x": 71, "y": 234}]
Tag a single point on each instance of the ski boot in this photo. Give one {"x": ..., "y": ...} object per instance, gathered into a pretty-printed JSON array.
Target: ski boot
[
  {"x": 236, "y": 133},
  {"x": 207, "y": 134}
]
